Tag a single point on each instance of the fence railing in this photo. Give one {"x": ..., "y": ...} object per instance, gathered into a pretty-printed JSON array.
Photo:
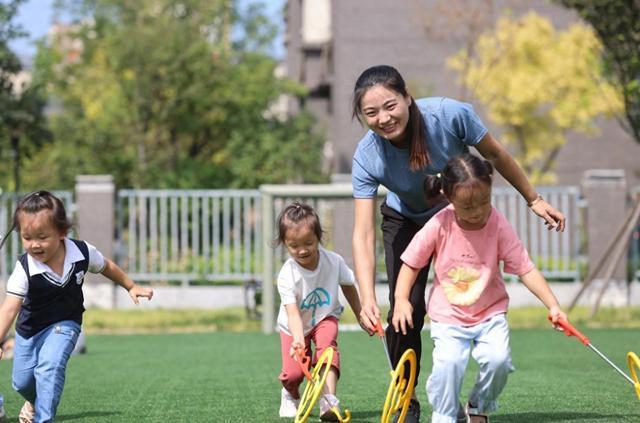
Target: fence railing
[
  {"x": 193, "y": 236},
  {"x": 557, "y": 255},
  {"x": 189, "y": 236},
  {"x": 634, "y": 243}
]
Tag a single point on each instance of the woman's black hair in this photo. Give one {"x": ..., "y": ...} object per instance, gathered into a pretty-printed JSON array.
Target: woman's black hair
[
  {"x": 36, "y": 202},
  {"x": 461, "y": 170},
  {"x": 294, "y": 214},
  {"x": 390, "y": 78}
]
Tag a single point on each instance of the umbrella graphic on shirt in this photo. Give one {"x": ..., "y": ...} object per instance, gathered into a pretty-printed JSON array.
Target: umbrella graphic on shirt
[{"x": 314, "y": 299}]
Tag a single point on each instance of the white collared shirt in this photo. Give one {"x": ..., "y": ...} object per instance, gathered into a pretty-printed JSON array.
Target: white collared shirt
[{"x": 18, "y": 283}]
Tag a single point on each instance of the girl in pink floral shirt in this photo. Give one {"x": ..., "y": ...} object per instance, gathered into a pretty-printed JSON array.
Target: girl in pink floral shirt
[{"x": 467, "y": 240}]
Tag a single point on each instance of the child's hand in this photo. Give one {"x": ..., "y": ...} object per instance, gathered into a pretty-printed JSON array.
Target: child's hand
[
  {"x": 295, "y": 345},
  {"x": 555, "y": 314},
  {"x": 138, "y": 291},
  {"x": 402, "y": 316}
]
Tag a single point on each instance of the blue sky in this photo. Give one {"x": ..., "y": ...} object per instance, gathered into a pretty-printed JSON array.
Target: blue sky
[{"x": 36, "y": 17}]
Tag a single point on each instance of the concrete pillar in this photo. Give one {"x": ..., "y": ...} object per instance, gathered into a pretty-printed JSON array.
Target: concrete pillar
[
  {"x": 605, "y": 191},
  {"x": 95, "y": 211}
]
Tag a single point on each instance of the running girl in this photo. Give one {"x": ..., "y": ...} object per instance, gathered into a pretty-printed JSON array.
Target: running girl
[
  {"x": 467, "y": 240},
  {"x": 45, "y": 291}
]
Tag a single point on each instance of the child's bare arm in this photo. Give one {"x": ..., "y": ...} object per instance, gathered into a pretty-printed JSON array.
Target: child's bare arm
[
  {"x": 295, "y": 326},
  {"x": 537, "y": 284},
  {"x": 116, "y": 274},
  {"x": 403, "y": 310},
  {"x": 8, "y": 312},
  {"x": 351, "y": 294}
]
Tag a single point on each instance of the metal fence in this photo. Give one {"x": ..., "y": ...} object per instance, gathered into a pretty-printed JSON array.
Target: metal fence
[
  {"x": 203, "y": 236},
  {"x": 557, "y": 255},
  {"x": 634, "y": 244},
  {"x": 189, "y": 236}
]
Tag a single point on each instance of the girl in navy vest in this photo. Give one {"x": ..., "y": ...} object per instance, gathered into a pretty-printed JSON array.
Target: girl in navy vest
[{"x": 45, "y": 291}]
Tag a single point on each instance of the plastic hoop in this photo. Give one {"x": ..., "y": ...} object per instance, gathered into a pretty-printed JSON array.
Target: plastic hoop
[
  {"x": 400, "y": 389},
  {"x": 634, "y": 363},
  {"x": 315, "y": 384}
]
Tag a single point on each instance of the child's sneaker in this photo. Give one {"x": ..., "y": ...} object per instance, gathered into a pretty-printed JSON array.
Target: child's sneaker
[
  {"x": 474, "y": 416},
  {"x": 26, "y": 413},
  {"x": 327, "y": 403},
  {"x": 462, "y": 414},
  {"x": 288, "y": 404}
]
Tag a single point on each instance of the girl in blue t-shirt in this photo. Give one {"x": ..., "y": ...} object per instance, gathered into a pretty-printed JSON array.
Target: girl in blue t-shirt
[
  {"x": 45, "y": 292},
  {"x": 407, "y": 140}
]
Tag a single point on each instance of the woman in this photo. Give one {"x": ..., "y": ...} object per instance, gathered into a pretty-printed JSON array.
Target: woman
[{"x": 408, "y": 139}]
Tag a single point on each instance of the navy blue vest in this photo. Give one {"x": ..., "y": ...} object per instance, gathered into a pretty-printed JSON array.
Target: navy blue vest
[{"x": 48, "y": 301}]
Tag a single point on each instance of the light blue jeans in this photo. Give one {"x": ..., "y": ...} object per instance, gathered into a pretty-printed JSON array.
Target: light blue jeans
[
  {"x": 39, "y": 366},
  {"x": 452, "y": 345}
]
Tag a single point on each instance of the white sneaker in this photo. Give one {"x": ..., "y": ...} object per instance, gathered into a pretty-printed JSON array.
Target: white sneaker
[
  {"x": 327, "y": 404},
  {"x": 288, "y": 404}
]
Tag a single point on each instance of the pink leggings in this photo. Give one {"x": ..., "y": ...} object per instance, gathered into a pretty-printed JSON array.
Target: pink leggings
[{"x": 323, "y": 335}]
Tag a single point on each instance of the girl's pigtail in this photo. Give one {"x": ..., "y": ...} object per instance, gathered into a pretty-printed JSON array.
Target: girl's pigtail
[{"x": 432, "y": 186}]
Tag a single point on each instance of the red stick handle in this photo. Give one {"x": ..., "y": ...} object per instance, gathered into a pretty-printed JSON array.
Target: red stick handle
[
  {"x": 379, "y": 329},
  {"x": 569, "y": 330},
  {"x": 304, "y": 361}
]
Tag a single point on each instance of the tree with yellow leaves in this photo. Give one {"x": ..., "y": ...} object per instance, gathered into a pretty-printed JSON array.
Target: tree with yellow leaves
[{"x": 538, "y": 84}]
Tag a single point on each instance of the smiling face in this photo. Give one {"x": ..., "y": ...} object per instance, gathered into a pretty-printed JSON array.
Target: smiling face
[
  {"x": 472, "y": 205},
  {"x": 40, "y": 237},
  {"x": 303, "y": 245},
  {"x": 386, "y": 112}
]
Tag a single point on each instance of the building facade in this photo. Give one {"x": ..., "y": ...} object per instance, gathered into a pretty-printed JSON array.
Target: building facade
[{"x": 330, "y": 42}]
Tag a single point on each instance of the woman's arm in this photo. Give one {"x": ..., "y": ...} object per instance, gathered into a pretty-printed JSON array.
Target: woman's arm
[
  {"x": 364, "y": 241},
  {"x": 494, "y": 152}
]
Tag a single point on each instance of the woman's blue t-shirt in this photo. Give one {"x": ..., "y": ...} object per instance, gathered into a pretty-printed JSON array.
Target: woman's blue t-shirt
[{"x": 452, "y": 127}]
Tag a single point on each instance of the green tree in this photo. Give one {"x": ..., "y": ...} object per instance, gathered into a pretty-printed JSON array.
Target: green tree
[
  {"x": 22, "y": 123},
  {"x": 617, "y": 23},
  {"x": 159, "y": 94},
  {"x": 538, "y": 84}
]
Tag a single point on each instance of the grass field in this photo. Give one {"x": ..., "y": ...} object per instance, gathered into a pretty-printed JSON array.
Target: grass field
[{"x": 232, "y": 377}]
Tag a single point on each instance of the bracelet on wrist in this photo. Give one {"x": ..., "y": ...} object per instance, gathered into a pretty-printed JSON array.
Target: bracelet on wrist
[{"x": 535, "y": 201}]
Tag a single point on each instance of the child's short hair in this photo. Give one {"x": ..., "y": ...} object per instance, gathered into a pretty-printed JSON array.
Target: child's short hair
[
  {"x": 463, "y": 169},
  {"x": 294, "y": 214},
  {"x": 35, "y": 202}
]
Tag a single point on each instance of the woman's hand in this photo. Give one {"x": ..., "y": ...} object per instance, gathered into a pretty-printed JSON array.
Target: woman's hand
[
  {"x": 402, "y": 316},
  {"x": 553, "y": 218},
  {"x": 369, "y": 315}
]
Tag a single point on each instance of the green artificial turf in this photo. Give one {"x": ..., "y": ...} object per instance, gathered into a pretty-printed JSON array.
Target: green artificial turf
[{"x": 232, "y": 377}]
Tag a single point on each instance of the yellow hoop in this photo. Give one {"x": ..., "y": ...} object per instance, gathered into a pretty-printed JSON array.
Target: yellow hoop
[
  {"x": 634, "y": 363},
  {"x": 314, "y": 386},
  {"x": 400, "y": 389}
]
